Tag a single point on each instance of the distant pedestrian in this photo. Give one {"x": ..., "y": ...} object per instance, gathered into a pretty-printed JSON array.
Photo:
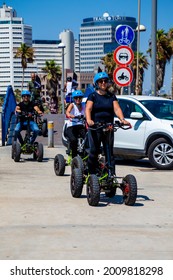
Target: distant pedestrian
[
  {"x": 34, "y": 87},
  {"x": 53, "y": 105}
]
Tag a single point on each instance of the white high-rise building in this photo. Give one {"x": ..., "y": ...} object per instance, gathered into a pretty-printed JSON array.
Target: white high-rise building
[
  {"x": 46, "y": 50},
  {"x": 13, "y": 32},
  {"x": 76, "y": 56}
]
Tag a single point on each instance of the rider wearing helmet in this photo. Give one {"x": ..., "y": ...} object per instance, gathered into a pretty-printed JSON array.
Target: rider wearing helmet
[
  {"x": 101, "y": 107},
  {"x": 26, "y": 106},
  {"x": 75, "y": 126}
]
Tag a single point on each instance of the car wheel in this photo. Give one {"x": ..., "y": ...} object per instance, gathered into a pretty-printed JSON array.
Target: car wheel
[{"x": 160, "y": 154}]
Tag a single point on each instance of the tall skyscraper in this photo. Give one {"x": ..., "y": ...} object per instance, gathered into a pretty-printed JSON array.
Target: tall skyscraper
[
  {"x": 13, "y": 32},
  {"x": 97, "y": 38}
]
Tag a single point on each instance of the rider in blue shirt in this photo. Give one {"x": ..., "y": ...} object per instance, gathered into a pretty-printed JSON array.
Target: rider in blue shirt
[{"x": 26, "y": 106}]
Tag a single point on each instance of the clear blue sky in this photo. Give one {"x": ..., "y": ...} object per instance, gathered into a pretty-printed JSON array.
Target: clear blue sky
[{"x": 50, "y": 17}]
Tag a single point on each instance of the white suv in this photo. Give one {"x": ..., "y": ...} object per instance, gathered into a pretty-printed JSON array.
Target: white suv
[{"x": 151, "y": 134}]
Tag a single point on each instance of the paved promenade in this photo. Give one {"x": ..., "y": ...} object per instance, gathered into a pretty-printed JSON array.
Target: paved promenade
[{"x": 41, "y": 220}]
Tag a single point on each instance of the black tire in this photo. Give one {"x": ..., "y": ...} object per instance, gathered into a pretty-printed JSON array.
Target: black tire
[
  {"x": 59, "y": 165},
  {"x": 160, "y": 154},
  {"x": 93, "y": 190},
  {"x": 129, "y": 188},
  {"x": 40, "y": 152},
  {"x": 44, "y": 129},
  {"x": 12, "y": 149},
  {"x": 16, "y": 152},
  {"x": 77, "y": 162},
  {"x": 76, "y": 182},
  {"x": 35, "y": 150}
]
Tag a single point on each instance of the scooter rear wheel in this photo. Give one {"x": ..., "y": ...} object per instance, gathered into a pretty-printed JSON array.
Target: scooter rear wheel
[
  {"x": 129, "y": 188},
  {"x": 44, "y": 128},
  {"x": 40, "y": 152},
  {"x": 16, "y": 151},
  {"x": 77, "y": 163}
]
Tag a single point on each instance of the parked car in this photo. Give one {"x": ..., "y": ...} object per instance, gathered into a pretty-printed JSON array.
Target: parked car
[{"x": 151, "y": 134}]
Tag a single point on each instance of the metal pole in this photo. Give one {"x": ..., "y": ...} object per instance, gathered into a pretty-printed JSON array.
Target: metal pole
[
  {"x": 62, "y": 83},
  {"x": 129, "y": 86},
  {"x": 153, "y": 47},
  {"x": 138, "y": 47},
  {"x": 50, "y": 134}
]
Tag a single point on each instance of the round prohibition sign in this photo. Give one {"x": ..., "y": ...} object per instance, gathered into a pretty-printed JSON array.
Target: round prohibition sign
[
  {"x": 123, "y": 55},
  {"x": 123, "y": 76}
]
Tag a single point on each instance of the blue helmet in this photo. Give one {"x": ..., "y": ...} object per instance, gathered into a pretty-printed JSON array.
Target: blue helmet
[
  {"x": 77, "y": 93},
  {"x": 100, "y": 75},
  {"x": 26, "y": 92}
]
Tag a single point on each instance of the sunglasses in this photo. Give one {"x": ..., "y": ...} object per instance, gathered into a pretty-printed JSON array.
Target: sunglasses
[
  {"x": 25, "y": 95},
  {"x": 77, "y": 97},
  {"x": 103, "y": 80}
]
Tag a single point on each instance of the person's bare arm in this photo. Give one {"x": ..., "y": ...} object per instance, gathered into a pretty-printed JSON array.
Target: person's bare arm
[
  {"x": 88, "y": 110},
  {"x": 68, "y": 112},
  {"x": 18, "y": 110},
  {"x": 37, "y": 109},
  {"x": 118, "y": 112}
]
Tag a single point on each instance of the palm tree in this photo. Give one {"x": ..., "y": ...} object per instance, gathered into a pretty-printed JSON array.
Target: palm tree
[
  {"x": 53, "y": 75},
  {"x": 110, "y": 66},
  {"x": 143, "y": 64},
  {"x": 163, "y": 55},
  {"x": 26, "y": 54}
]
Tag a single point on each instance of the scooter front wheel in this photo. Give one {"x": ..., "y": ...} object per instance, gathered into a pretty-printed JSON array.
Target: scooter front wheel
[
  {"x": 59, "y": 165},
  {"x": 76, "y": 182},
  {"x": 93, "y": 190}
]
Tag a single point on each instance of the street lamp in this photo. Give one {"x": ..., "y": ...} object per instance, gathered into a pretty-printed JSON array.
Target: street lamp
[
  {"x": 62, "y": 47},
  {"x": 139, "y": 28},
  {"x": 153, "y": 48}
]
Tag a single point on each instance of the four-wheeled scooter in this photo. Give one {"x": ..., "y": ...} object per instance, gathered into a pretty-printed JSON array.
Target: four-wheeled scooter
[
  {"x": 27, "y": 148},
  {"x": 105, "y": 180},
  {"x": 59, "y": 161}
]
